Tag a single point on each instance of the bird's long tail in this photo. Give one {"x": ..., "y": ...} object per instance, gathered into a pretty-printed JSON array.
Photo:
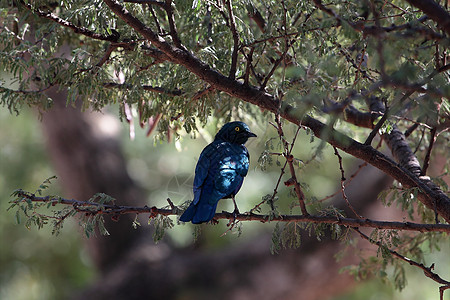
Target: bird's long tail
[{"x": 199, "y": 213}]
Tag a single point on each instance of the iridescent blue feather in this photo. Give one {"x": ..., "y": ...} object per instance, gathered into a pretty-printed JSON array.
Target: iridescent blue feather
[{"x": 220, "y": 171}]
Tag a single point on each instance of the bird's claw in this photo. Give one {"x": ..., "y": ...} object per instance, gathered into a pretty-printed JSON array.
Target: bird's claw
[
  {"x": 233, "y": 221},
  {"x": 214, "y": 221}
]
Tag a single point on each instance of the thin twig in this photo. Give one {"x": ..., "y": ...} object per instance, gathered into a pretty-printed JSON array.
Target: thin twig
[
  {"x": 377, "y": 29},
  {"x": 194, "y": 98},
  {"x": 104, "y": 59},
  {"x": 428, "y": 271},
  {"x": 152, "y": 123},
  {"x": 150, "y": 88},
  {"x": 275, "y": 65},
  {"x": 344, "y": 195},
  {"x": 152, "y": 11},
  {"x": 358, "y": 69},
  {"x": 412, "y": 121},
  {"x": 353, "y": 176},
  {"x": 24, "y": 92},
  {"x": 151, "y": 2},
  {"x": 420, "y": 141},
  {"x": 377, "y": 127},
  {"x": 354, "y": 64},
  {"x": 410, "y": 130},
  {"x": 172, "y": 27},
  {"x": 248, "y": 66},
  {"x": 290, "y": 161},
  {"x": 76, "y": 29},
  {"x": 426, "y": 161},
  {"x": 364, "y": 164},
  {"x": 275, "y": 191},
  {"x": 234, "y": 54}
]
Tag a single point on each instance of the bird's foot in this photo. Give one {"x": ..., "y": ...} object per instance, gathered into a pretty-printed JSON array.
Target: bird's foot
[
  {"x": 233, "y": 221},
  {"x": 214, "y": 221}
]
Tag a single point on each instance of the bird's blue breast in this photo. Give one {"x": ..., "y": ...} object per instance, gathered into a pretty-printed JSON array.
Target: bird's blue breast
[
  {"x": 220, "y": 171},
  {"x": 228, "y": 165}
]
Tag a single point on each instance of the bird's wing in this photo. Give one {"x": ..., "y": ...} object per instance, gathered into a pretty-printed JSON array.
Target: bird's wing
[
  {"x": 245, "y": 162},
  {"x": 201, "y": 171},
  {"x": 232, "y": 168},
  {"x": 243, "y": 169}
]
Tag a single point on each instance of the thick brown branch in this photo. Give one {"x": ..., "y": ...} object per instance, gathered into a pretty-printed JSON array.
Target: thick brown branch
[
  {"x": 401, "y": 151},
  {"x": 94, "y": 208}
]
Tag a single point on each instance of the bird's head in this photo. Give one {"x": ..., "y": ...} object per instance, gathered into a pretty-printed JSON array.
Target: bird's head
[{"x": 235, "y": 132}]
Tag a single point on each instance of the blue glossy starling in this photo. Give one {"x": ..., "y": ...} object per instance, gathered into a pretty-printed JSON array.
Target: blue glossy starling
[{"x": 220, "y": 172}]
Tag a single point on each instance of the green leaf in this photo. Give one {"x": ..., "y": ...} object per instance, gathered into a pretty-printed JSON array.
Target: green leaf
[{"x": 160, "y": 224}]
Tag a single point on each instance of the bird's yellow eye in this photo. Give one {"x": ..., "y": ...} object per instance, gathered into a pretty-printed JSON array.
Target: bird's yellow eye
[{"x": 237, "y": 129}]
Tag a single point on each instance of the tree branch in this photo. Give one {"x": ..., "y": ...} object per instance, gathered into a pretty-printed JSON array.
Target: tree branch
[
  {"x": 344, "y": 195},
  {"x": 275, "y": 65},
  {"x": 434, "y": 11},
  {"x": 150, "y": 88},
  {"x": 290, "y": 161},
  {"x": 428, "y": 271},
  {"x": 429, "y": 7},
  {"x": 234, "y": 55},
  {"x": 429, "y": 193},
  {"x": 172, "y": 27},
  {"x": 401, "y": 151},
  {"x": 377, "y": 127},
  {"x": 151, "y": 2},
  {"x": 80, "y": 30},
  {"x": 427, "y": 156},
  {"x": 95, "y": 208}
]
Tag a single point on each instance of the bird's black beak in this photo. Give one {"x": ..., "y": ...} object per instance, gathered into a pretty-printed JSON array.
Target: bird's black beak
[{"x": 251, "y": 134}]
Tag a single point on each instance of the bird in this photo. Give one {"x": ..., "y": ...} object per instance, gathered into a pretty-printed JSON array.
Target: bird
[{"x": 220, "y": 172}]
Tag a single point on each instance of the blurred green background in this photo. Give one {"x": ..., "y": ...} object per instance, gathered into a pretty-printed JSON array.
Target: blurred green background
[{"x": 36, "y": 265}]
